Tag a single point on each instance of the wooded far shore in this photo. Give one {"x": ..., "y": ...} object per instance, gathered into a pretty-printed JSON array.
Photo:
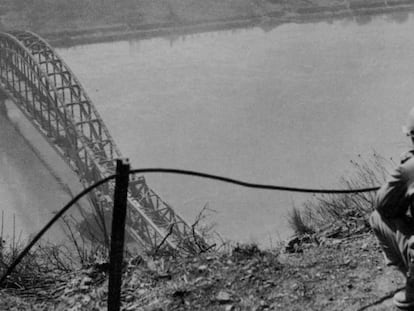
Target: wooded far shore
[{"x": 71, "y": 22}]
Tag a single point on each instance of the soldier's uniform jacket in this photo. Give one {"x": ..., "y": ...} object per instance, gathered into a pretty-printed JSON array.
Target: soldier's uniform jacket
[{"x": 394, "y": 197}]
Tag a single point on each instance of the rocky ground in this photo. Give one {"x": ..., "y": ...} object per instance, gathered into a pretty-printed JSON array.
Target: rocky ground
[{"x": 325, "y": 274}]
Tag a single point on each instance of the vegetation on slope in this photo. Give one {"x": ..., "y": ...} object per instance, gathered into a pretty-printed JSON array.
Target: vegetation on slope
[
  {"x": 339, "y": 274},
  {"x": 340, "y": 268},
  {"x": 341, "y": 215}
]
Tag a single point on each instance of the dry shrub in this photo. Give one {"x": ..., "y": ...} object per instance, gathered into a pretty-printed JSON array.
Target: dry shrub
[
  {"x": 299, "y": 223},
  {"x": 346, "y": 212}
]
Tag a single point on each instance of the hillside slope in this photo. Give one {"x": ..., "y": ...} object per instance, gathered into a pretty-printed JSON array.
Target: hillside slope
[{"x": 333, "y": 274}]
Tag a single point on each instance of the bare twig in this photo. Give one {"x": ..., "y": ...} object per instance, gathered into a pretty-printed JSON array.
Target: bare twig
[
  {"x": 202, "y": 248},
  {"x": 164, "y": 239}
]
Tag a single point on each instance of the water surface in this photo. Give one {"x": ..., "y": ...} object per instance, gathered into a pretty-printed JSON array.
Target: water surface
[{"x": 290, "y": 106}]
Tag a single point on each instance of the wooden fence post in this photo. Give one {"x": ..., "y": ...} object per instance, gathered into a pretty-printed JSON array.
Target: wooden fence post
[{"x": 118, "y": 235}]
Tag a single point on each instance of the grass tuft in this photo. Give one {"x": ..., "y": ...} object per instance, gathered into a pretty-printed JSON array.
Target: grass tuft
[{"x": 336, "y": 215}]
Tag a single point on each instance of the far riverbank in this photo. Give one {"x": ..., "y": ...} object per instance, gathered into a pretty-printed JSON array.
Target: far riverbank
[{"x": 71, "y": 23}]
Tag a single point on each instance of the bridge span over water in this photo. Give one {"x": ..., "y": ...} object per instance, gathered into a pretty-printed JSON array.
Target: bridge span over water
[{"x": 49, "y": 95}]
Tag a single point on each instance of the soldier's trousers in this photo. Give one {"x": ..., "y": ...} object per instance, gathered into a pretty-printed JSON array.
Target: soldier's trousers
[{"x": 396, "y": 238}]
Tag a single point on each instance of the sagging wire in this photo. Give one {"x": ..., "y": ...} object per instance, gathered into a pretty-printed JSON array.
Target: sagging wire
[
  {"x": 248, "y": 184},
  {"x": 49, "y": 224},
  {"x": 177, "y": 172}
]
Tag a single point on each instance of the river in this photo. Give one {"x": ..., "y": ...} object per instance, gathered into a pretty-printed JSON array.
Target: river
[{"x": 292, "y": 106}]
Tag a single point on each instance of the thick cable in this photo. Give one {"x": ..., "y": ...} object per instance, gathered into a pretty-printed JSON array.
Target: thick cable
[
  {"x": 248, "y": 184},
  {"x": 50, "y": 223}
]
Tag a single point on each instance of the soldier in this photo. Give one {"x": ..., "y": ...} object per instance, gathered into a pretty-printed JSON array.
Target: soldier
[{"x": 393, "y": 222}]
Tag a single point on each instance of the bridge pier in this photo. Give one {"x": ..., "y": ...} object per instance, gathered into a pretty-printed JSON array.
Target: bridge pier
[{"x": 3, "y": 98}]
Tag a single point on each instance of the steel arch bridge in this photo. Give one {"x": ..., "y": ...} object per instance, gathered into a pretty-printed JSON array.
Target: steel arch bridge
[{"x": 47, "y": 92}]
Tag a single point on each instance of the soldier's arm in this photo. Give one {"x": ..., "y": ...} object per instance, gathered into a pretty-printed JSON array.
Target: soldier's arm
[{"x": 392, "y": 198}]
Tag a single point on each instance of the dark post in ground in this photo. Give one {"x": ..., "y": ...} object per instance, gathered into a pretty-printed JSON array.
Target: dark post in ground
[{"x": 118, "y": 234}]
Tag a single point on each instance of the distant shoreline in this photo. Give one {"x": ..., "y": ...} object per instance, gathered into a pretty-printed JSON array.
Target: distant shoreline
[
  {"x": 65, "y": 36},
  {"x": 121, "y": 32}
]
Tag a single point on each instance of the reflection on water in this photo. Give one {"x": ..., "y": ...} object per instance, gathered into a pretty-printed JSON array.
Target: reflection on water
[
  {"x": 29, "y": 194},
  {"x": 35, "y": 183},
  {"x": 399, "y": 17}
]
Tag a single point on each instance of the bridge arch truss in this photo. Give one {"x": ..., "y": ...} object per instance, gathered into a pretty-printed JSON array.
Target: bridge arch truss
[{"x": 47, "y": 92}]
